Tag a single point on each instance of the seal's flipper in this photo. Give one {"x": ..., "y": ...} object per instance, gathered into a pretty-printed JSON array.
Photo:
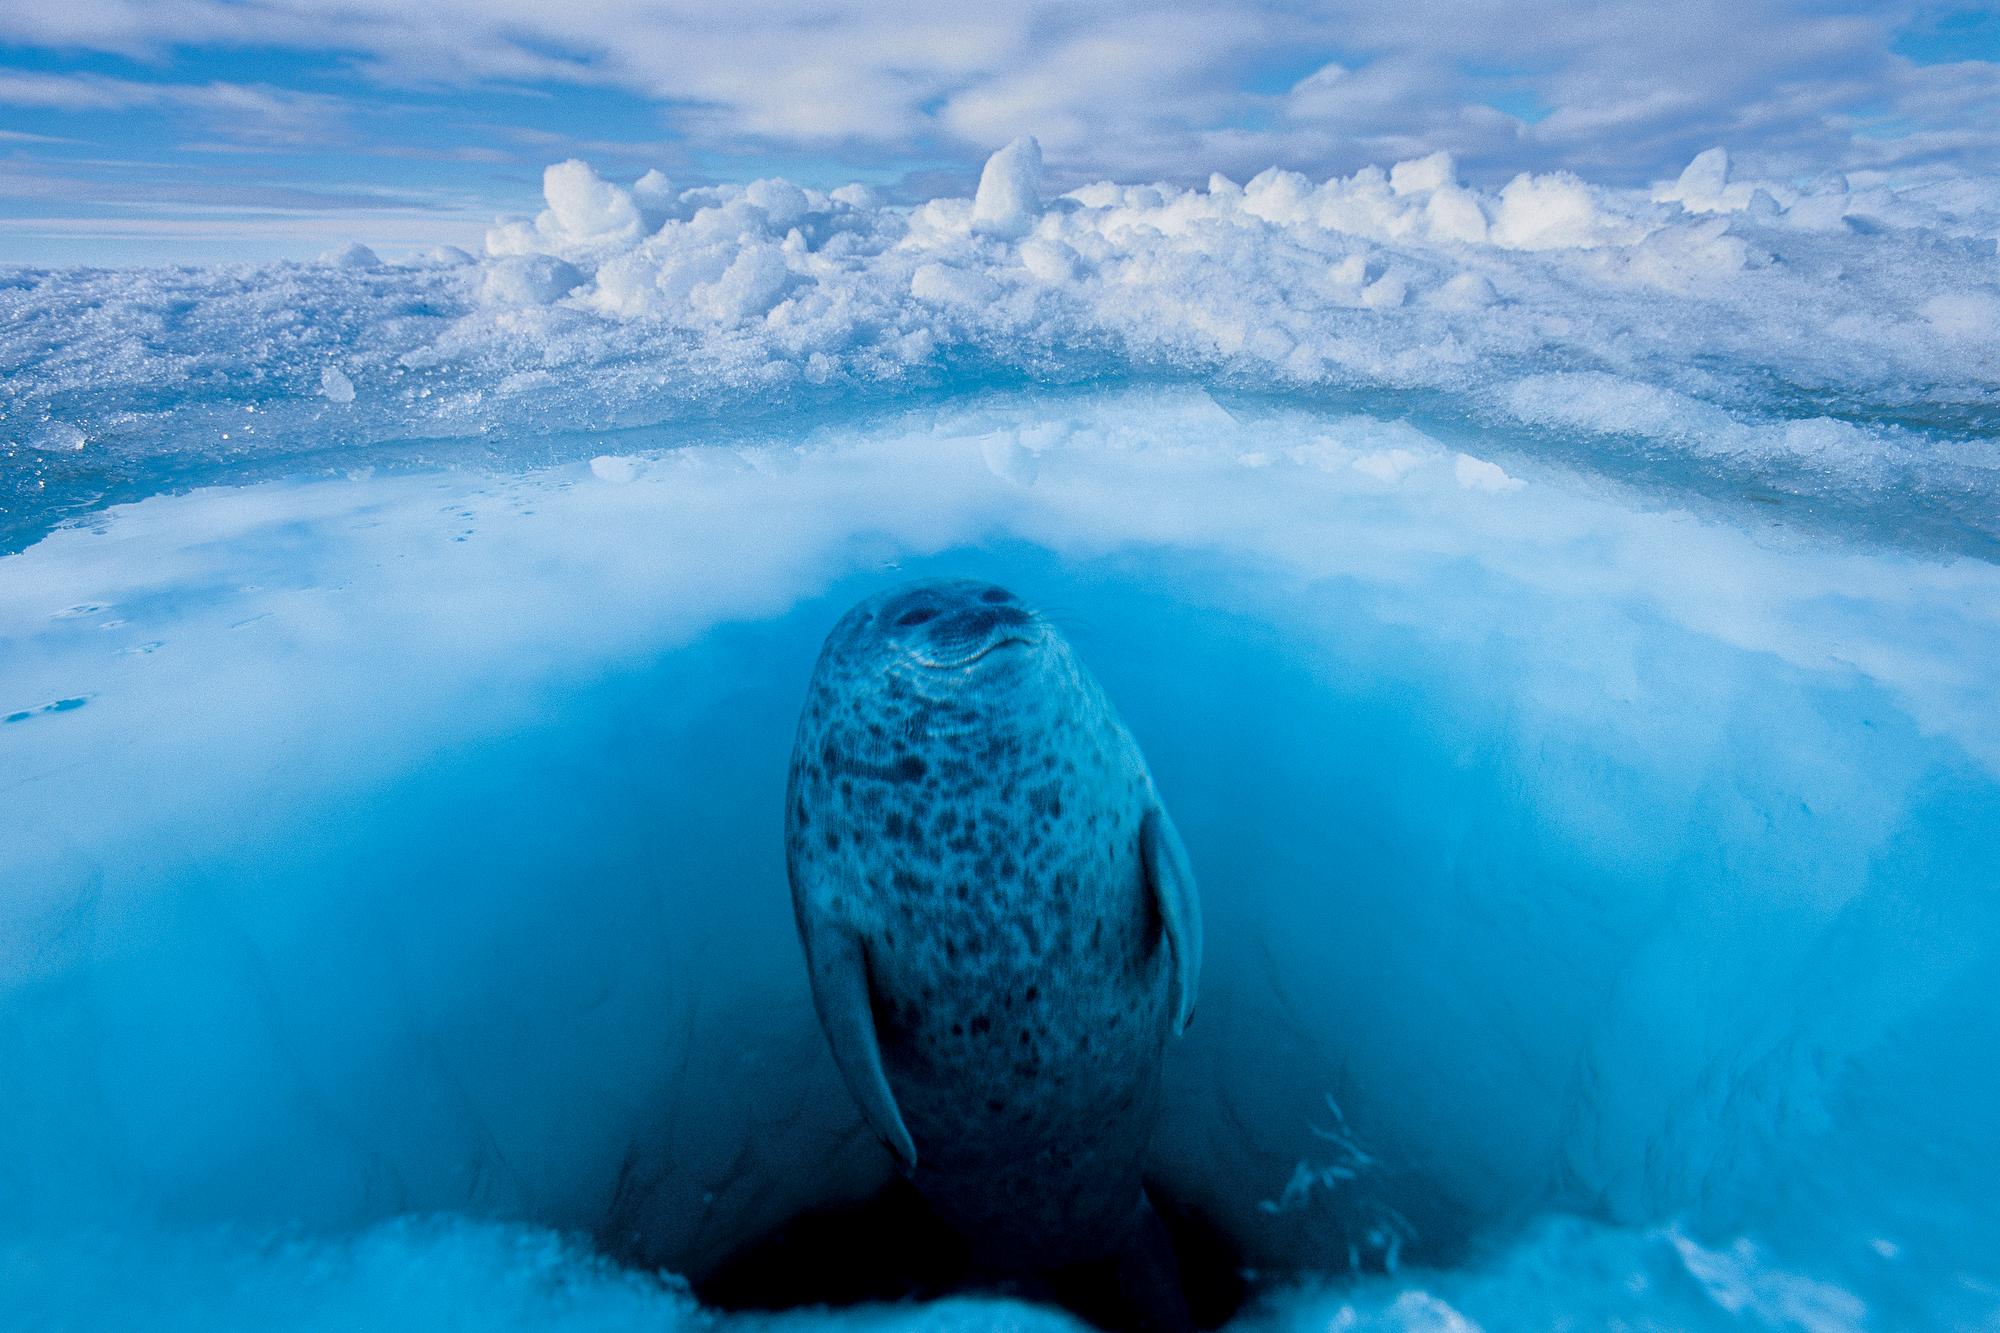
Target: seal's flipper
[
  {"x": 837, "y": 962},
  {"x": 1171, "y": 881}
]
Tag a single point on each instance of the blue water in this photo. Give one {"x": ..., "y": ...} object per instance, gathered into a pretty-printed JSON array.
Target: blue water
[{"x": 1600, "y": 896}]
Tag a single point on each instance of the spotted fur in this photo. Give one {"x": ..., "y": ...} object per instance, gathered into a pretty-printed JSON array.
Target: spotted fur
[{"x": 964, "y": 802}]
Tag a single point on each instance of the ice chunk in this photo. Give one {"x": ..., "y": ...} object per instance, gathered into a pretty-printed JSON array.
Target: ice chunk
[
  {"x": 1453, "y": 214},
  {"x": 1968, "y": 316},
  {"x": 334, "y": 386},
  {"x": 1390, "y": 465},
  {"x": 1702, "y": 182},
  {"x": 947, "y": 285},
  {"x": 1278, "y": 196},
  {"x": 1010, "y": 191},
  {"x": 56, "y": 437},
  {"x": 1706, "y": 185},
  {"x": 628, "y": 286},
  {"x": 1385, "y": 293},
  {"x": 1556, "y": 211},
  {"x": 653, "y": 195},
  {"x": 1463, "y": 291},
  {"x": 532, "y": 279},
  {"x": 1050, "y": 261},
  {"x": 1009, "y": 459},
  {"x": 446, "y": 256},
  {"x": 751, "y": 285},
  {"x": 1350, "y": 272},
  {"x": 352, "y": 255},
  {"x": 1476, "y": 474},
  {"x": 783, "y": 202},
  {"x": 513, "y": 237},
  {"x": 584, "y": 208},
  {"x": 1818, "y": 211},
  {"x": 1422, "y": 175},
  {"x": 616, "y": 469}
]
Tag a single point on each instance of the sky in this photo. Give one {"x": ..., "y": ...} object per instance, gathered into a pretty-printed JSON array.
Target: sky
[{"x": 146, "y": 131}]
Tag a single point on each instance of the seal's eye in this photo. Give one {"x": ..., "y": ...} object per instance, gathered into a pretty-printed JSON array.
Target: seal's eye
[
  {"x": 916, "y": 617},
  {"x": 996, "y": 595}
]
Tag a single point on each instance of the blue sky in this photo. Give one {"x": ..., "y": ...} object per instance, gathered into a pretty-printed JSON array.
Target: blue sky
[{"x": 195, "y": 130}]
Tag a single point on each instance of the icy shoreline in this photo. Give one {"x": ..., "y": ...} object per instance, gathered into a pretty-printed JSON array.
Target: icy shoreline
[{"x": 1828, "y": 350}]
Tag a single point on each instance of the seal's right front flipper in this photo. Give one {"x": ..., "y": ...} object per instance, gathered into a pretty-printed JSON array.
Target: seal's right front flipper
[
  {"x": 1171, "y": 881},
  {"x": 837, "y": 962}
]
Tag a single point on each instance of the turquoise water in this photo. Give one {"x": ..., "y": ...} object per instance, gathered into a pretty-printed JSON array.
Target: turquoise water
[{"x": 1600, "y": 894}]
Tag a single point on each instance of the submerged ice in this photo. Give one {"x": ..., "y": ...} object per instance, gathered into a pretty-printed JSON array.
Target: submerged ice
[{"x": 1599, "y": 893}]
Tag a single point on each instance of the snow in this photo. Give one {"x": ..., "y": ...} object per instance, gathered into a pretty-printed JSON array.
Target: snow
[
  {"x": 418, "y": 1275},
  {"x": 1865, "y": 310}
]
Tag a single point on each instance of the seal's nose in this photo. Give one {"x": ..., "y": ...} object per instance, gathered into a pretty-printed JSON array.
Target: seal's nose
[
  {"x": 957, "y": 619},
  {"x": 979, "y": 621}
]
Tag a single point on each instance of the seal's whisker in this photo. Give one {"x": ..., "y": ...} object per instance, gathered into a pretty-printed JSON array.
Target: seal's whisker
[{"x": 1065, "y": 617}]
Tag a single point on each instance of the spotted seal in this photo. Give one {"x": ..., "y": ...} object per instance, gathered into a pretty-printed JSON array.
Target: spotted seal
[{"x": 1000, "y": 924}]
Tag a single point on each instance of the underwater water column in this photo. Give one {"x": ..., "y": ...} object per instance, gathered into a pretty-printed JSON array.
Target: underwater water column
[{"x": 1591, "y": 886}]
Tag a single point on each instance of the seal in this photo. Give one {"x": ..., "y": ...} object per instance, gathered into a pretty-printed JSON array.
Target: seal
[{"x": 1000, "y": 924}]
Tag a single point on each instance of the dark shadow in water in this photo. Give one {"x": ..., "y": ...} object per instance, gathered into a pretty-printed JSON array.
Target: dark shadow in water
[{"x": 891, "y": 1249}]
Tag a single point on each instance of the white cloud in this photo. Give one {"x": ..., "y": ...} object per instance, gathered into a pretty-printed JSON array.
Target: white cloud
[
  {"x": 1630, "y": 87},
  {"x": 256, "y": 112},
  {"x": 22, "y": 136}
]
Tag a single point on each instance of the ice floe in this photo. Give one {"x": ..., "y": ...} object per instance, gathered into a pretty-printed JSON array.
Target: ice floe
[{"x": 1852, "y": 307}]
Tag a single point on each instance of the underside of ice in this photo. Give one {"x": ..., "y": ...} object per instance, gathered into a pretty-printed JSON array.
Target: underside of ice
[{"x": 1600, "y": 896}]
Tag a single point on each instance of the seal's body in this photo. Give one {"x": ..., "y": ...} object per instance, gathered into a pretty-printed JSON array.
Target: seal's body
[{"x": 999, "y": 921}]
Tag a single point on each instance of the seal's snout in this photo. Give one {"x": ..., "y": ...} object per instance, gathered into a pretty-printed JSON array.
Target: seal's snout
[
  {"x": 957, "y": 622},
  {"x": 980, "y": 621}
]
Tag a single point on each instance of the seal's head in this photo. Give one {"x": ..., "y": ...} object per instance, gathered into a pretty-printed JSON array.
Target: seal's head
[{"x": 939, "y": 634}]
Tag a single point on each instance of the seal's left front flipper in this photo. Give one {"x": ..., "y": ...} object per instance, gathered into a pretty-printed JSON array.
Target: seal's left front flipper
[{"x": 837, "y": 966}]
